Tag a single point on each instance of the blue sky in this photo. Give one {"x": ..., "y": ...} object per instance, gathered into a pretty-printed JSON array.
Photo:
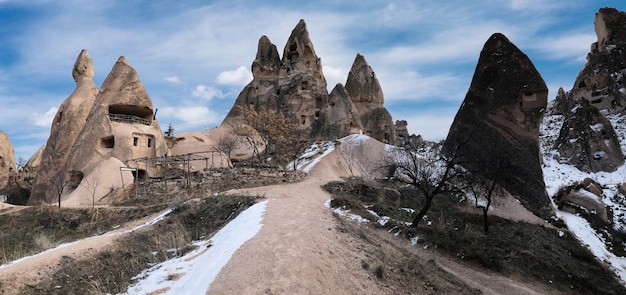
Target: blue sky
[{"x": 194, "y": 56}]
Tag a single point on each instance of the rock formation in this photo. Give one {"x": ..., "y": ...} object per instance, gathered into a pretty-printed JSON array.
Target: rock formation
[
  {"x": 496, "y": 131},
  {"x": 10, "y": 191},
  {"x": 119, "y": 131},
  {"x": 296, "y": 87},
  {"x": 587, "y": 139},
  {"x": 602, "y": 79},
  {"x": 586, "y": 195},
  {"x": 67, "y": 124},
  {"x": 367, "y": 96},
  {"x": 7, "y": 159}
]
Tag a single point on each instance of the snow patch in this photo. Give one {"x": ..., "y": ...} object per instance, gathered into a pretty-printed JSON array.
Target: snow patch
[{"x": 196, "y": 270}]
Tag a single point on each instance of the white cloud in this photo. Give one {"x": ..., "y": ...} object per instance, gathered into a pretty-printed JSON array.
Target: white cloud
[
  {"x": 191, "y": 116},
  {"x": 569, "y": 46},
  {"x": 432, "y": 126},
  {"x": 335, "y": 75},
  {"x": 45, "y": 119},
  {"x": 173, "y": 80},
  {"x": 239, "y": 77},
  {"x": 207, "y": 92},
  {"x": 412, "y": 85}
]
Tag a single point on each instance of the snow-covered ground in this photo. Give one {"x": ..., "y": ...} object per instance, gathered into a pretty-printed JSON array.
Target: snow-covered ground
[
  {"x": 194, "y": 272},
  {"x": 310, "y": 158},
  {"x": 557, "y": 175}
]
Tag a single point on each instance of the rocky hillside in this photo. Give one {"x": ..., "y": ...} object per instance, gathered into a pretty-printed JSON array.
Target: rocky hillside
[{"x": 583, "y": 141}]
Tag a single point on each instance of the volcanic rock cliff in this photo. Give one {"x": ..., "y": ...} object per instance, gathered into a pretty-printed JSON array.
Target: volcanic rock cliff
[
  {"x": 496, "y": 131},
  {"x": 587, "y": 139},
  {"x": 67, "y": 124},
  {"x": 296, "y": 87}
]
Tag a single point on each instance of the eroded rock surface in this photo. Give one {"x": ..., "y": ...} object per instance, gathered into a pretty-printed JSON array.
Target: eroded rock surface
[
  {"x": 120, "y": 131},
  {"x": 295, "y": 86},
  {"x": 496, "y": 130},
  {"x": 587, "y": 139},
  {"x": 67, "y": 124}
]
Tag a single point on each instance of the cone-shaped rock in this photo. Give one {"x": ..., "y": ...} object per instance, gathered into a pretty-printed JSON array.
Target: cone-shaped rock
[
  {"x": 588, "y": 140},
  {"x": 363, "y": 86},
  {"x": 267, "y": 62},
  {"x": 120, "y": 127},
  {"x": 67, "y": 124},
  {"x": 299, "y": 55},
  {"x": 299, "y": 92},
  {"x": 495, "y": 132},
  {"x": 338, "y": 117},
  {"x": 367, "y": 95}
]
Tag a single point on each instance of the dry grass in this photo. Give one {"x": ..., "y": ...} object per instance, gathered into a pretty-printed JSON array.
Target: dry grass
[
  {"x": 535, "y": 252},
  {"x": 111, "y": 271},
  {"x": 39, "y": 228}
]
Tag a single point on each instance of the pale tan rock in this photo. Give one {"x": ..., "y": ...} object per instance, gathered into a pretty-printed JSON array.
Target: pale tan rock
[
  {"x": 35, "y": 160},
  {"x": 7, "y": 159},
  {"x": 67, "y": 124},
  {"x": 121, "y": 126}
]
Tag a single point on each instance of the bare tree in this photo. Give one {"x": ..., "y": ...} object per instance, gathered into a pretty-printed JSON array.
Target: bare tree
[
  {"x": 485, "y": 185},
  {"x": 59, "y": 186},
  {"x": 348, "y": 156},
  {"x": 227, "y": 143},
  {"x": 91, "y": 184},
  {"x": 428, "y": 169},
  {"x": 20, "y": 162},
  {"x": 486, "y": 188},
  {"x": 271, "y": 134}
]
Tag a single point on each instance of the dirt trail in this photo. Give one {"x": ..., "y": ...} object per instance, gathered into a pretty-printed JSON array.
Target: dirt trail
[{"x": 299, "y": 251}]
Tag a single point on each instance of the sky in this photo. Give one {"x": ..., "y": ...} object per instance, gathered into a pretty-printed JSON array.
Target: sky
[{"x": 194, "y": 56}]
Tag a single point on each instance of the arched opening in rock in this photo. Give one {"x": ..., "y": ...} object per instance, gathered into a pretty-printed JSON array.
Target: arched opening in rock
[
  {"x": 130, "y": 114},
  {"x": 107, "y": 142}
]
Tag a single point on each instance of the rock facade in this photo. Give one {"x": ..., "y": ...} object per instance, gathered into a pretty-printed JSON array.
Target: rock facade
[
  {"x": 119, "y": 131},
  {"x": 599, "y": 91},
  {"x": 296, "y": 87},
  {"x": 495, "y": 133},
  {"x": 67, "y": 124},
  {"x": 588, "y": 141}
]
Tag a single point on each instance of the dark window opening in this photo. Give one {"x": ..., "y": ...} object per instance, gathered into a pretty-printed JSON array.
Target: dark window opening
[
  {"x": 582, "y": 84},
  {"x": 140, "y": 174},
  {"x": 135, "y": 139},
  {"x": 599, "y": 100},
  {"x": 149, "y": 142},
  {"x": 528, "y": 93},
  {"x": 107, "y": 142},
  {"x": 302, "y": 119}
]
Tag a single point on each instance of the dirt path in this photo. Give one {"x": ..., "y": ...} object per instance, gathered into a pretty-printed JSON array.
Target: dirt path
[{"x": 299, "y": 251}]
